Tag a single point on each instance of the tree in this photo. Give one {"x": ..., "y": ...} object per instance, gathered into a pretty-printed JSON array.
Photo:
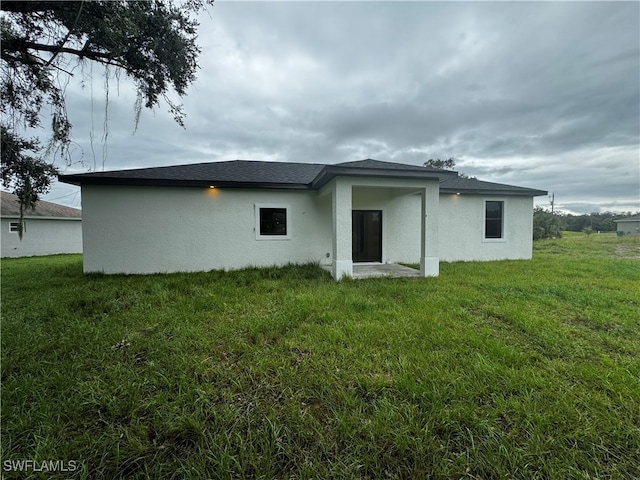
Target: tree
[
  {"x": 546, "y": 224},
  {"x": 449, "y": 163},
  {"x": 153, "y": 42},
  {"x": 27, "y": 175},
  {"x": 438, "y": 163},
  {"x": 598, "y": 222}
]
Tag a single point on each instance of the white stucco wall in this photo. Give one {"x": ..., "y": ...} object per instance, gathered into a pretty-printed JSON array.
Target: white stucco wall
[
  {"x": 153, "y": 229},
  {"x": 631, "y": 227},
  {"x": 42, "y": 236},
  {"x": 461, "y": 228}
]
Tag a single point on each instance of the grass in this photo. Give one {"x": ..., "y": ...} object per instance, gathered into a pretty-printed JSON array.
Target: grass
[{"x": 515, "y": 369}]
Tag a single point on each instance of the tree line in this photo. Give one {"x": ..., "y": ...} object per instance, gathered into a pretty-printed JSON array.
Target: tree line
[{"x": 551, "y": 225}]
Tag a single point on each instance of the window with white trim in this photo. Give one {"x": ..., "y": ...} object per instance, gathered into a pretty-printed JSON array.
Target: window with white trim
[
  {"x": 14, "y": 227},
  {"x": 494, "y": 219},
  {"x": 273, "y": 222}
]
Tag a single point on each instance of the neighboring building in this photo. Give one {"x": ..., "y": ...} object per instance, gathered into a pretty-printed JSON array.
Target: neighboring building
[
  {"x": 629, "y": 225},
  {"x": 230, "y": 215},
  {"x": 48, "y": 229}
]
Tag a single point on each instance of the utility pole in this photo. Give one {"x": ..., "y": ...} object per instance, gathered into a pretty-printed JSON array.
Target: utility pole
[{"x": 552, "y": 199}]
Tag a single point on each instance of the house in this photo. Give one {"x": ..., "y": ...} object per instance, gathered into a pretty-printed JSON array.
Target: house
[
  {"x": 48, "y": 229},
  {"x": 234, "y": 214},
  {"x": 628, "y": 225}
]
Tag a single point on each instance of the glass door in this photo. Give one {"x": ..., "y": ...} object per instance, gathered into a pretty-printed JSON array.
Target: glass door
[{"x": 366, "y": 230}]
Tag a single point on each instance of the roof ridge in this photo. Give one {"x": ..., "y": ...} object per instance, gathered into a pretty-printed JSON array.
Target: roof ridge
[{"x": 367, "y": 163}]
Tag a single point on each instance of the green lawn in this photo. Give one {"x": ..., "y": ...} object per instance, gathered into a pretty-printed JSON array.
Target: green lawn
[{"x": 516, "y": 369}]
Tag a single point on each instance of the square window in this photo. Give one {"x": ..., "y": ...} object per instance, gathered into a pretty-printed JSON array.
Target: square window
[
  {"x": 14, "y": 227},
  {"x": 272, "y": 222},
  {"x": 493, "y": 219}
]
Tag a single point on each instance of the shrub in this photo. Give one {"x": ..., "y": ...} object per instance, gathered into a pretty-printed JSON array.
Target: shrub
[{"x": 546, "y": 224}]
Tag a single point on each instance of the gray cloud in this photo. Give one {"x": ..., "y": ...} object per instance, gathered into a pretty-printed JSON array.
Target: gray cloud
[{"x": 543, "y": 94}]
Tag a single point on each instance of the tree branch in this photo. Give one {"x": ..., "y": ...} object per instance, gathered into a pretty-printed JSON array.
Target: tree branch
[
  {"x": 66, "y": 37},
  {"x": 14, "y": 45}
]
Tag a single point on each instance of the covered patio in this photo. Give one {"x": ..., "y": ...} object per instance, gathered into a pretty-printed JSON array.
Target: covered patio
[{"x": 380, "y": 222}]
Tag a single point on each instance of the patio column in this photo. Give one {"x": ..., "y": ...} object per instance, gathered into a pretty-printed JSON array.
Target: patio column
[
  {"x": 341, "y": 216},
  {"x": 429, "y": 261}
]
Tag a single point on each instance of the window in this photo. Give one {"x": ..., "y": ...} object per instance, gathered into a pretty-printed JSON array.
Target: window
[
  {"x": 272, "y": 222},
  {"x": 493, "y": 219},
  {"x": 14, "y": 227}
]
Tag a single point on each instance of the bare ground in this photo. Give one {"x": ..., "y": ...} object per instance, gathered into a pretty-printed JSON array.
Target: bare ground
[{"x": 628, "y": 251}]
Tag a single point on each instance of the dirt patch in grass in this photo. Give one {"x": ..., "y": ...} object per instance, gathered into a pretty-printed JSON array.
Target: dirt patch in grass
[{"x": 628, "y": 251}]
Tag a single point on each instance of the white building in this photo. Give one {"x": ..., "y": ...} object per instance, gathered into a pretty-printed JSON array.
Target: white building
[
  {"x": 628, "y": 225},
  {"x": 230, "y": 215},
  {"x": 48, "y": 229}
]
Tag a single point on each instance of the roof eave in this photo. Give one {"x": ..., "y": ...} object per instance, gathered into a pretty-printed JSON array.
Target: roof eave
[
  {"x": 473, "y": 191},
  {"x": 81, "y": 180}
]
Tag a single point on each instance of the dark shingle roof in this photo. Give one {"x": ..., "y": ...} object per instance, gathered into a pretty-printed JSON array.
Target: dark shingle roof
[
  {"x": 475, "y": 186},
  {"x": 11, "y": 208},
  {"x": 256, "y": 174},
  {"x": 378, "y": 164},
  {"x": 238, "y": 173}
]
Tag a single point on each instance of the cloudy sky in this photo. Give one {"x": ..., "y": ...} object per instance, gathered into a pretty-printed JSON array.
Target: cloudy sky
[{"x": 543, "y": 95}]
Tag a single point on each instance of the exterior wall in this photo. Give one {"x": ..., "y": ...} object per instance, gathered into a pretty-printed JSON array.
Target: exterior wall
[
  {"x": 154, "y": 230},
  {"x": 43, "y": 236},
  {"x": 631, "y": 227},
  {"x": 461, "y": 228}
]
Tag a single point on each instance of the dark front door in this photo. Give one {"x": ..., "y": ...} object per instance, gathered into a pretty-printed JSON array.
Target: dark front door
[{"x": 366, "y": 230}]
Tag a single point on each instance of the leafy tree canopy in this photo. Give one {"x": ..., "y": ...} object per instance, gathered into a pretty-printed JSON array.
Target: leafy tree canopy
[
  {"x": 26, "y": 174},
  {"x": 546, "y": 224},
  {"x": 596, "y": 221},
  {"x": 439, "y": 163},
  {"x": 152, "y": 41},
  {"x": 447, "y": 164}
]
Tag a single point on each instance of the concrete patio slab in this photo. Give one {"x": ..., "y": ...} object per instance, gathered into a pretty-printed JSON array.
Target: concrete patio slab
[
  {"x": 393, "y": 270},
  {"x": 372, "y": 270}
]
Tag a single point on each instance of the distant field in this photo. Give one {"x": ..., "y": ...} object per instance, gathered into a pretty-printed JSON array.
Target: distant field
[{"x": 515, "y": 369}]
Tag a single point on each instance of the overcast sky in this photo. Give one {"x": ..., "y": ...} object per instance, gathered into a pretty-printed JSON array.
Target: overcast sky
[{"x": 542, "y": 95}]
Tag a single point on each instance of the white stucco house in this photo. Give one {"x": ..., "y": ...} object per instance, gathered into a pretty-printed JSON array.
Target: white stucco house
[
  {"x": 48, "y": 229},
  {"x": 628, "y": 225},
  {"x": 234, "y": 214}
]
